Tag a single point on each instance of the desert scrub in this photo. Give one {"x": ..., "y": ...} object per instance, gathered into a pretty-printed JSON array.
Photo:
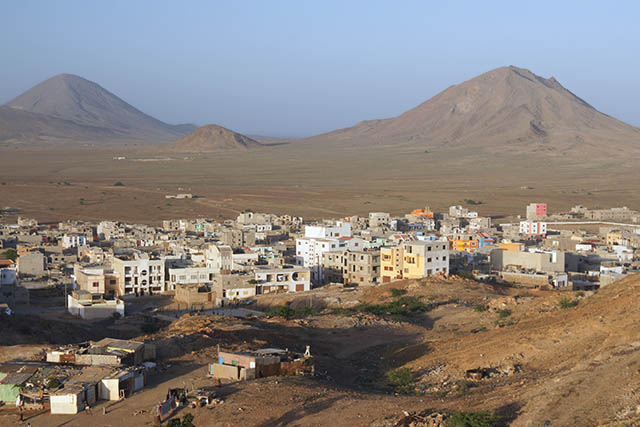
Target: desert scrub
[
  {"x": 567, "y": 303},
  {"x": 289, "y": 313},
  {"x": 471, "y": 419},
  {"x": 480, "y": 308},
  {"x": 503, "y": 314},
  {"x": 401, "y": 380},
  {"x": 397, "y": 292}
]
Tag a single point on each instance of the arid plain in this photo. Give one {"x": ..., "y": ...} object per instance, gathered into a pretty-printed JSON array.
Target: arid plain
[{"x": 299, "y": 178}]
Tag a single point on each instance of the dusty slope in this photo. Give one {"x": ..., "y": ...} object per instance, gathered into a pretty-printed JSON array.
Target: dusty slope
[
  {"x": 85, "y": 103},
  {"x": 579, "y": 365},
  {"x": 17, "y": 126},
  {"x": 211, "y": 138},
  {"x": 506, "y": 109}
]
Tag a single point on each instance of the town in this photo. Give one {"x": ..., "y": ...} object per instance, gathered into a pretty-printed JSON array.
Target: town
[{"x": 111, "y": 271}]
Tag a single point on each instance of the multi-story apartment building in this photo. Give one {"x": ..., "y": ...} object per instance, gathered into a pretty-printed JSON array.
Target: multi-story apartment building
[
  {"x": 351, "y": 267},
  {"x": 379, "y": 219},
  {"x": 309, "y": 252},
  {"x": 237, "y": 238},
  {"x": 414, "y": 260},
  {"x": 219, "y": 258},
  {"x": 109, "y": 230},
  {"x": 533, "y": 228},
  {"x": 98, "y": 280},
  {"x": 178, "y": 273},
  {"x": 283, "y": 279},
  {"x": 460, "y": 212},
  {"x": 536, "y": 211},
  {"x": 140, "y": 273},
  {"x": 363, "y": 267},
  {"x": 73, "y": 241}
]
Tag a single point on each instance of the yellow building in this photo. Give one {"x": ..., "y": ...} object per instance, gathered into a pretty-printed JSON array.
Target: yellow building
[
  {"x": 414, "y": 260},
  {"x": 461, "y": 245},
  {"x": 616, "y": 237}
]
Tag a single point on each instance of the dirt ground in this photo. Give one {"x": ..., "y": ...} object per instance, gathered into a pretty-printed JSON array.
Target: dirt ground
[
  {"x": 299, "y": 179},
  {"x": 540, "y": 362}
]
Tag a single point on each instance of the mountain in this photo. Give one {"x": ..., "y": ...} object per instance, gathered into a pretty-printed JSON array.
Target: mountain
[
  {"x": 508, "y": 108},
  {"x": 85, "y": 109},
  {"x": 212, "y": 138}
]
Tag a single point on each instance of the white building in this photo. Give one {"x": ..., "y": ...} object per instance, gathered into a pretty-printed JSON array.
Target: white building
[
  {"x": 533, "y": 228},
  {"x": 341, "y": 229},
  {"x": 73, "y": 241},
  {"x": 93, "y": 306},
  {"x": 296, "y": 279},
  {"x": 309, "y": 252},
  {"x": 219, "y": 258},
  {"x": 140, "y": 273},
  {"x": 179, "y": 275}
]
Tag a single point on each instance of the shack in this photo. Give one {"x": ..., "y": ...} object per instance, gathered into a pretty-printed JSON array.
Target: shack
[
  {"x": 78, "y": 391},
  {"x": 12, "y": 383},
  {"x": 109, "y": 351},
  {"x": 266, "y": 362}
]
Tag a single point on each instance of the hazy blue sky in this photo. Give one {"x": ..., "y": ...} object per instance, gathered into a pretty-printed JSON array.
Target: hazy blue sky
[{"x": 294, "y": 68}]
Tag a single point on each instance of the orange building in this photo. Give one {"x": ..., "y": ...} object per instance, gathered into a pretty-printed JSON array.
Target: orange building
[{"x": 424, "y": 213}]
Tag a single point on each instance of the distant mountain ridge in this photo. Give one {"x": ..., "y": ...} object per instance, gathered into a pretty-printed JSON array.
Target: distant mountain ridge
[
  {"x": 508, "y": 108},
  {"x": 211, "y": 138},
  {"x": 85, "y": 109}
]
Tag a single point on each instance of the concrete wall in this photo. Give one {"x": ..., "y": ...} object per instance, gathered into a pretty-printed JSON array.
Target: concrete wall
[
  {"x": 538, "y": 261},
  {"x": 66, "y": 403},
  {"x": 234, "y": 373},
  {"x": 109, "y": 389}
]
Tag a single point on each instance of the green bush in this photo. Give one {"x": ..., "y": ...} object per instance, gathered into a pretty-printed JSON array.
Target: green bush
[
  {"x": 401, "y": 380},
  {"x": 118, "y": 184},
  {"x": 567, "y": 303},
  {"x": 503, "y": 314},
  {"x": 579, "y": 294},
  {"x": 480, "y": 308},
  {"x": 11, "y": 254},
  {"x": 466, "y": 275},
  {"x": 187, "y": 421},
  {"x": 401, "y": 306},
  {"x": 53, "y": 383},
  {"x": 397, "y": 292},
  {"x": 471, "y": 419}
]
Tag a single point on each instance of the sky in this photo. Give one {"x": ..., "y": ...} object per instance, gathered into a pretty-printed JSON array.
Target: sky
[{"x": 298, "y": 68}]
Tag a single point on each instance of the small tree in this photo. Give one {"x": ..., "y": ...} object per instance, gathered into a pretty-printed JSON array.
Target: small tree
[
  {"x": 11, "y": 254},
  {"x": 187, "y": 421},
  {"x": 118, "y": 184}
]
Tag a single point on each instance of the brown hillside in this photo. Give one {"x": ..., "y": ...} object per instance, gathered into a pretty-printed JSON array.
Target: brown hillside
[
  {"x": 212, "y": 138},
  {"x": 508, "y": 109},
  {"x": 579, "y": 365}
]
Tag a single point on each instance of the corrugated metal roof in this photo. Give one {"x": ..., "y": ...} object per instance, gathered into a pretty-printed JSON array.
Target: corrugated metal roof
[{"x": 17, "y": 378}]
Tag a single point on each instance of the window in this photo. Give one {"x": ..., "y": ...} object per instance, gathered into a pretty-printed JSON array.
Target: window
[{"x": 96, "y": 284}]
